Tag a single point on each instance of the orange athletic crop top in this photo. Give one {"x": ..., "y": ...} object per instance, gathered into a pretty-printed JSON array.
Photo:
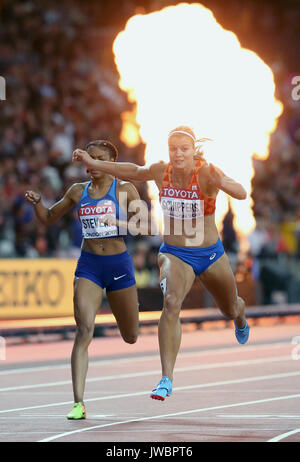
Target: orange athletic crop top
[{"x": 185, "y": 203}]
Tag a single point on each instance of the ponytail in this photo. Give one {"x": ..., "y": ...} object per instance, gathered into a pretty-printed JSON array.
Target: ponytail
[{"x": 199, "y": 148}]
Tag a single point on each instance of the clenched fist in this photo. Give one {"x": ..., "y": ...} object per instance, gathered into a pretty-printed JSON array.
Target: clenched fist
[
  {"x": 32, "y": 197},
  {"x": 82, "y": 156}
]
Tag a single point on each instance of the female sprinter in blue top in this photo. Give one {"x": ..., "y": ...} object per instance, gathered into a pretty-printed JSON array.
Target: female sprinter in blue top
[
  {"x": 188, "y": 187},
  {"x": 104, "y": 261}
]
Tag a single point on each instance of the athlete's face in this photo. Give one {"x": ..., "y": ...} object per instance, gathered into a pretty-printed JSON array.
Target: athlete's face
[
  {"x": 98, "y": 154},
  {"x": 181, "y": 151}
]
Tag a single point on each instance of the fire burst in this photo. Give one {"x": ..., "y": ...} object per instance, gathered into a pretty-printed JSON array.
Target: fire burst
[{"x": 180, "y": 67}]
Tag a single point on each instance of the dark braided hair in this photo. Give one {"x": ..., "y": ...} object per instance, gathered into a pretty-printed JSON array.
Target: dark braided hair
[{"x": 106, "y": 146}]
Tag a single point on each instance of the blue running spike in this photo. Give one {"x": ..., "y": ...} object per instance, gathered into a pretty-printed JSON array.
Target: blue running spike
[
  {"x": 242, "y": 333},
  {"x": 163, "y": 389}
]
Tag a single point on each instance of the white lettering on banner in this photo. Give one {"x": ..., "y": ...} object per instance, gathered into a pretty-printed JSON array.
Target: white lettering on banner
[
  {"x": 97, "y": 209},
  {"x": 180, "y": 193}
]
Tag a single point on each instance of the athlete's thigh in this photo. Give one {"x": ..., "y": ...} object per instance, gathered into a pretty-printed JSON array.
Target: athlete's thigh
[
  {"x": 124, "y": 306},
  {"x": 87, "y": 301},
  {"x": 219, "y": 280},
  {"x": 176, "y": 276}
]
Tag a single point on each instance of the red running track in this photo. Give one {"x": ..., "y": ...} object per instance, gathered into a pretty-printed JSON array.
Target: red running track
[{"x": 223, "y": 391}]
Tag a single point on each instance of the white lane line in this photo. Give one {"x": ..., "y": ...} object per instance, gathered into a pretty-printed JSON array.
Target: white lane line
[
  {"x": 258, "y": 416},
  {"x": 149, "y": 430},
  {"x": 94, "y": 427},
  {"x": 144, "y": 358},
  {"x": 49, "y": 416},
  {"x": 283, "y": 435},
  {"x": 188, "y": 430},
  {"x": 23, "y": 433},
  {"x": 158, "y": 371},
  {"x": 188, "y": 387},
  {"x": 91, "y": 364}
]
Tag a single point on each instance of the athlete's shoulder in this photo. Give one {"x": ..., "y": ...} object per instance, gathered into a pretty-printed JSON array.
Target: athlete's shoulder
[
  {"x": 204, "y": 180},
  {"x": 127, "y": 186},
  {"x": 202, "y": 168},
  {"x": 75, "y": 191},
  {"x": 123, "y": 184},
  {"x": 78, "y": 186},
  {"x": 204, "y": 165}
]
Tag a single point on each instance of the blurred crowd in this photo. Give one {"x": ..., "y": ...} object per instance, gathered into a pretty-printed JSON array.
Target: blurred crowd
[{"x": 62, "y": 92}]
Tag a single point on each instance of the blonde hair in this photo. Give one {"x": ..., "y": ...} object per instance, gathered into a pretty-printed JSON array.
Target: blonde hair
[{"x": 197, "y": 143}]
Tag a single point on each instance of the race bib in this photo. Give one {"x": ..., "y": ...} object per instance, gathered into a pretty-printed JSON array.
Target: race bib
[
  {"x": 92, "y": 216},
  {"x": 181, "y": 204}
]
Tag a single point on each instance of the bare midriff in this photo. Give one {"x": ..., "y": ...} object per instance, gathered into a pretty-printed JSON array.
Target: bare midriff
[
  {"x": 108, "y": 246},
  {"x": 205, "y": 233}
]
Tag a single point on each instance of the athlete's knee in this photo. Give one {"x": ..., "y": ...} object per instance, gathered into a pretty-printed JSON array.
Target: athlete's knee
[
  {"x": 85, "y": 332},
  {"x": 172, "y": 304}
]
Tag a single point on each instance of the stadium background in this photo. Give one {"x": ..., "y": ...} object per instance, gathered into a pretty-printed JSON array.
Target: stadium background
[{"x": 62, "y": 91}]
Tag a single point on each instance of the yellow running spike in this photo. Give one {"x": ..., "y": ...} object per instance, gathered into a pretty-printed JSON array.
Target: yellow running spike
[{"x": 78, "y": 412}]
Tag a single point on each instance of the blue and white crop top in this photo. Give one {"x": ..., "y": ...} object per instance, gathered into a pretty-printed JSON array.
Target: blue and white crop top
[{"x": 92, "y": 211}]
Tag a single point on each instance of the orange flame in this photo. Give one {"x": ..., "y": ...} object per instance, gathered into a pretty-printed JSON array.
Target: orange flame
[
  {"x": 181, "y": 67},
  {"x": 130, "y": 129}
]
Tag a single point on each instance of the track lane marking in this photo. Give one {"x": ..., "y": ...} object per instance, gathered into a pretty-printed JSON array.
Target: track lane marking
[
  {"x": 259, "y": 416},
  {"x": 283, "y": 435},
  {"x": 245, "y": 362},
  {"x": 187, "y": 387},
  {"x": 246, "y": 403},
  {"x": 143, "y": 358}
]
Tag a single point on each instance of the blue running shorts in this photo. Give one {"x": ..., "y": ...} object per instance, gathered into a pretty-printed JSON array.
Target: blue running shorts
[
  {"x": 112, "y": 272},
  {"x": 199, "y": 258}
]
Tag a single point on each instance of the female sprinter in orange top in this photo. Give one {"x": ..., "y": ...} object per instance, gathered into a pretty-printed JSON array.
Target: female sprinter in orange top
[
  {"x": 104, "y": 261},
  {"x": 188, "y": 187}
]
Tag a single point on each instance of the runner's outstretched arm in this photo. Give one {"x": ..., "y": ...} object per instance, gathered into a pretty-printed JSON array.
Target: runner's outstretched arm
[{"x": 122, "y": 170}]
